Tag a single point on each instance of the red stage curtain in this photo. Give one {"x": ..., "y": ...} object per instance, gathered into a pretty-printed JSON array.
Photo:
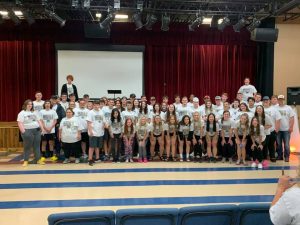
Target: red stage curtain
[{"x": 204, "y": 62}]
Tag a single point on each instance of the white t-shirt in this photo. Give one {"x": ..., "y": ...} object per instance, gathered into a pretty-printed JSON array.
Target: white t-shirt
[
  {"x": 286, "y": 113},
  {"x": 252, "y": 109},
  {"x": 198, "y": 126},
  {"x": 142, "y": 131},
  {"x": 226, "y": 126},
  {"x": 82, "y": 114},
  {"x": 48, "y": 116},
  {"x": 69, "y": 129},
  {"x": 186, "y": 129},
  {"x": 193, "y": 109},
  {"x": 258, "y": 103},
  {"x": 156, "y": 129},
  {"x": 115, "y": 127},
  {"x": 107, "y": 112},
  {"x": 234, "y": 113},
  {"x": 128, "y": 114},
  {"x": 274, "y": 114},
  {"x": 248, "y": 91},
  {"x": 97, "y": 122},
  {"x": 29, "y": 119},
  {"x": 38, "y": 106},
  {"x": 150, "y": 109},
  {"x": 170, "y": 128},
  {"x": 190, "y": 104},
  {"x": 241, "y": 128},
  {"x": 65, "y": 105},
  {"x": 268, "y": 122},
  {"x": 250, "y": 115},
  {"x": 262, "y": 134},
  {"x": 211, "y": 131},
  {"x": 218, "y": 109},
  {"x": 287, "y": 210},
  {"x": 70, "y": 89},
  {"x": 182, "y": 111}
]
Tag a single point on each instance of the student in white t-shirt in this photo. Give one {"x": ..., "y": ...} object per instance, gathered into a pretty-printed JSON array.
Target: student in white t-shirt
[
  {"x": 258, "y": 136},
  {"x": 81, "y": 114},
  {"x": 64, "y": 101},
  {"x": 107, "y": 114},
  {"x": 152, "y": 103},
  {"x": 177, "y": 102},
  {"x": 72, "y": 98},
  {"x": 274, "y": 100},
  {"x": 286, "y": 128},
  {"x": 285, "y": 207},
  {"x": 235, "y": 110},
  {"x": 115, "y": 131},
  {"x": 142, "y": 134},
  {"x": 251, "y": 104},
  {"x": 48, "y": 118},
  {"x": 30, "y": 127},
  {"x": 190, "y": 103},
  {"x": 184, "y": 109},
  {"x": 247, "y": 89},
  {"x": 70, "y": 136},
  {"x": 212, "y": 132},
  {"x": 171, "y": 136},
  {"x": 196, "y": 107},
  {"x": 198, "y": 134},
  {"x": 275, "y": 116},
  {"x": 218, "y": 107},
  {"x": 185, "y": 133},
  {"x": 157, "y": 135},
  {"x": 208, "y": 109},
  {"x": 258, "y": 99},
  {"x": 96, "y": 124},
  {"x": 38, "y": 104},
  {"x": 244, "y": 109},
  {"x": 129, "y": 113}
]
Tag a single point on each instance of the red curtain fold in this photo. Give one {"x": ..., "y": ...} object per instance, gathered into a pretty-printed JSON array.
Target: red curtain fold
[{"x": 204, "y": 62}]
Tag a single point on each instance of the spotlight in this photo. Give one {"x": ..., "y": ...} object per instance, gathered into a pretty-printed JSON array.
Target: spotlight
[
  {"x": 255, "y": 23},
  {"x": 165, "y": 21},
  {"x": 137, "y": 21},
  {"x": 14, "y": 18},
  {"x": 28, "y": 17},
  {"x": 75, "y": 3},
  {"x": 239, "y": 25},
  {"x": 86, "y": 4},
  {"x": 107, "y": 21},
  {"x": 225, "y": 22},
  {"x": 151, "y": 20},
  {"x": 196, "y": 23},
  {"x": 55, "y": 17}
]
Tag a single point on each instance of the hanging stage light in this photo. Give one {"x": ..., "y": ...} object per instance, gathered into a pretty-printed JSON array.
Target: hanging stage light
[
  {"x": 239, "y": 25},
  {"x": 55, "y": 17},
  {"x": 151, "y": 20},
  {"x": 255, "y": 24},
  {"x": 225, "y": 22},
  {"x": 196, "y": 23},
  {"x": 165, "y": 22},
  {"x": 137, "y": 21},
  {"x": 105, "y": 24}
]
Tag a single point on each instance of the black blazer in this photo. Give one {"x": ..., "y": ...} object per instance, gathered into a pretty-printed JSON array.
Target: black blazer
[
  {"x": 64, "y": 89},
  {"x": 60, "y": 113}
]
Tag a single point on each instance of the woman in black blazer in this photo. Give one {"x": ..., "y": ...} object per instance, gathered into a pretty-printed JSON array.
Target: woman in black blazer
[{"x": 69, "y": 88}]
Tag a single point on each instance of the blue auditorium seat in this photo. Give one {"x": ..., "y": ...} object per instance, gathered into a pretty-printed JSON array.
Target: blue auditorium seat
[
  {"x": 254, "y": 214},
  {"x": 159, "y": 216},
  {"x": 104, "y": 217},
  {"x": 208, "y": 215}
]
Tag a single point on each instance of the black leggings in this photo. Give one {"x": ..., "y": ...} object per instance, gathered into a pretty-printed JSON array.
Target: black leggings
[
  {"x": 72, "y": 149},
  {"x": 197, "y": 147},
  {"x": 227, "y": 149},
  {"x": 116, "y": 146},
  {"x": 258, "y": 153}
]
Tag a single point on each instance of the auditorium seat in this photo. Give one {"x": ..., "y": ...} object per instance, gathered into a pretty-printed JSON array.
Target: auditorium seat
[
  {"x": 157, "y": 216},
  {"x": 254, "y": 214},
  {"x": 208, "y": 215},
  {"x": 104, "y": 217}
]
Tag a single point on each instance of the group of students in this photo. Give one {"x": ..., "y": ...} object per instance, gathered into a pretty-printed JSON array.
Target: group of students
[{"x": 249, "y": 127}]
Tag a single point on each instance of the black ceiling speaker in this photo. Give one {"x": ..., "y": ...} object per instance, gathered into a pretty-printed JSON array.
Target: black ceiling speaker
[{"x": 264, "y": 34}]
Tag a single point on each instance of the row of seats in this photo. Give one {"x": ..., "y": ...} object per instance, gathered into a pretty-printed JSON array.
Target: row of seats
[{"x": 243, "y": 214}]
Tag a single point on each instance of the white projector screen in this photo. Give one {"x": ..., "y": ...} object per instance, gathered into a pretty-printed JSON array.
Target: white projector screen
[{"x": 95, "y": 71}]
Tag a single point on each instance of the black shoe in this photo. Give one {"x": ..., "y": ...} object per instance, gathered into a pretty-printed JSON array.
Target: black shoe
[
  {"x": 279, "y": 158},
  {"x": 287, "y": 160},
  {"x": 200, "y": 160},
  {"x": 273, "y": 160},
  {"x": 91, "y": 162}
]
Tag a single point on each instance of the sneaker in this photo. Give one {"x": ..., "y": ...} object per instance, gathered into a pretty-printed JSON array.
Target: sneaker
[
  {"x": 43, "y": 159},
  {"x": 25, "y": 163},
  {"x": 91, "y": 162},
  {"x": 181, "y": 160},
  {"x": 77, "y": 160},
  {"x": 223, "y": 160},
  {"x": 97, "y": 160},
  {"x": 145, "y": 160},
  {"x": 259, "y": 166},
  {"x": 40, "y": 162},
  {"x": 127, "y": 160},
  {"x": 54, "y": 158},
  {"x": 244, "y": 163},
  {"x": 66, "y": 161},
  {"x": 140, "y": 160},
  {"x": 131, "y": 160},
  {"x": 253, "y": 165},
  {"x": 188, "y": 159},
  {"x": 287, "y": 160},
  {"x": 230, "y": 161},
  {"x": 214, "y": 160},
  {"x": 85, "y": 156},
  {"x": 174, "y": 159},
  {"x": 238, "y": 162}
]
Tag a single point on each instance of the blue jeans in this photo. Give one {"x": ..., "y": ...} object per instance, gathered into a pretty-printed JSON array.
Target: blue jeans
[{"x": 283, "y": 136}]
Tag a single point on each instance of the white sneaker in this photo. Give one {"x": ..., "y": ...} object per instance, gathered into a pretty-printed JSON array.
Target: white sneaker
[
  {"x": 127, "y": 160},
  {"x": 131, "y": 160},
  {"x": 259, "y": 166},
  {"x": 66, "y": 161},
  {"x": 85, "y": 156},
  {"x": 181, "y": 159},
  {"x": 253, "y": 165},
  {"x": 223, "y": 160},
  {"x": 77, "y": 161},
  {"x": 230, "y": 160},
  {"x": 238, "y": 162}
]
